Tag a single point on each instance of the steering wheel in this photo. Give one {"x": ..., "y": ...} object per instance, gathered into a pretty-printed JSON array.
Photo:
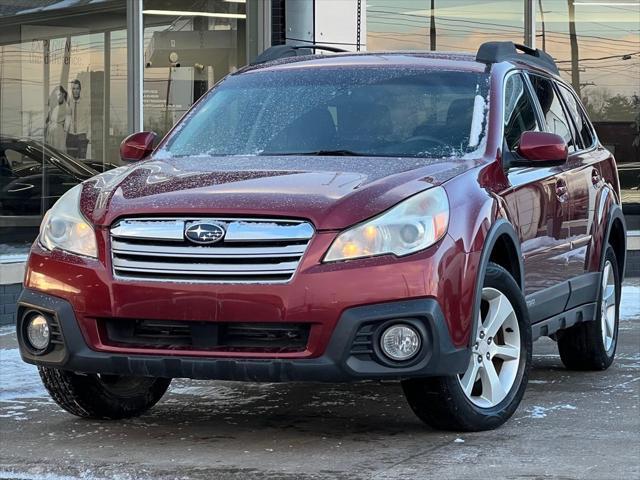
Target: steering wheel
[{"x": 424, "y": 138}]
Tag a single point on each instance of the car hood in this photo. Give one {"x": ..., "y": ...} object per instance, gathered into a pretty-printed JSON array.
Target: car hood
[{"x": 331, "y": 192}]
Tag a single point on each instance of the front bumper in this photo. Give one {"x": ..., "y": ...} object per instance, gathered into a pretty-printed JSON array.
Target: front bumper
[{"x": 340, "y": 362}]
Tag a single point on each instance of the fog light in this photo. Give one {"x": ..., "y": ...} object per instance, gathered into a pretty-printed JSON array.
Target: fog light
[
  {"x": 38, "y": 332},
  {"x": 400, "y": 342}
]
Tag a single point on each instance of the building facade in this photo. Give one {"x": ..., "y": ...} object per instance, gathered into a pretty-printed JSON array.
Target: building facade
[{"x": 77, "y": 76}]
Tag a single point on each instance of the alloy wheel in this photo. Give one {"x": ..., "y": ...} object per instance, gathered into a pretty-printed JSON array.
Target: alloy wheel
[
  {"x": 495, "y": 357},
  {"x": 608, "y": 306}
]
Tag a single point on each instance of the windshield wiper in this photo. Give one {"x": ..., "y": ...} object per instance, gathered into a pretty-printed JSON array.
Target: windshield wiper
[{"x": 321, "y": 153}]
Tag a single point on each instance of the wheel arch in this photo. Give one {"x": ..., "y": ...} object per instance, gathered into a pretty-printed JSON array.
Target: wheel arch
[
  {"x": 505, "y": 253},
  {"x": 501, "y": 245},
  {"x": 617, "y": 238}
]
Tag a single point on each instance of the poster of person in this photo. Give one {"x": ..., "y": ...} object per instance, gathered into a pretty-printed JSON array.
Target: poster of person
[
  {"x": 58, "y": 119},
  {"x": 77, "y": 134},
  {"x": 68, "y": 121}
]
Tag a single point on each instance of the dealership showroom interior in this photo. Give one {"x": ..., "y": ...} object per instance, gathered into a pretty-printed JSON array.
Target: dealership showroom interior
[{"x": 78, "y": 80}]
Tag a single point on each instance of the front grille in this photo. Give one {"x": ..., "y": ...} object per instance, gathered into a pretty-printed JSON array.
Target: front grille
[
  {"x": 251, "y": 251},
  {"x": 219, "y": 336}
]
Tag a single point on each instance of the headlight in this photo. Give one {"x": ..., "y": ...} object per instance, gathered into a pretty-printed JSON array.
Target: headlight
[
  {"x": 65, "y": 228},
  {"x": 410, "y": 226}
]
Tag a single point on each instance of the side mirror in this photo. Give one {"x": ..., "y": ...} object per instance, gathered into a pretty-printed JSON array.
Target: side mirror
[
  {"x": 137, "y": 146},
  {"x": 542, "y": 149}
]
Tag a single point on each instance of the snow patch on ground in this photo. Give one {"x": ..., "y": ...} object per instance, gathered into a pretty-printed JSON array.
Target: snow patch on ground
[
  {"x": 18, "y": 380},
  {"x": 541, "y": 412},
  {"x": 29, "y": 476},
  {"x": 86, "y": 475},
  {"x": 7, "y": 330},
  {"x": 630, "y": 302}
]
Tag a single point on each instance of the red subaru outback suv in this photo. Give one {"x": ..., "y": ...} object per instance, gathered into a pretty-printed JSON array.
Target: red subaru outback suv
[{"x": 410, "y": 216}]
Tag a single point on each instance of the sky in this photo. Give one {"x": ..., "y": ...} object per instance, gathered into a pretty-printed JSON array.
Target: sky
[{"x": 603, "y": 31}]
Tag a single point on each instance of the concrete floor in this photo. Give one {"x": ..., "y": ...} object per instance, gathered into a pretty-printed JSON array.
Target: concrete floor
[{"x": 570, "y": 425}]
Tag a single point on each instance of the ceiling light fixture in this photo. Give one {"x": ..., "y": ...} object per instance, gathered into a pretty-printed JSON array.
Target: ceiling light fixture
[
  {"x": 181, "y": 13},
  {"x": 609, "y": 4}
]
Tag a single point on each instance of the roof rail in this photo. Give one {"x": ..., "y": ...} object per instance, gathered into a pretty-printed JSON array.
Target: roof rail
[
  {"x": 494, "y": 52},
  {"x": 284, "y": 51}
]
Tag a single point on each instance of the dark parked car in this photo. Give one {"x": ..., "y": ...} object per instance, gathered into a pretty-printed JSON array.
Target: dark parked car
[
  {"x": 34, "y": 175},
  {"x": 413, "y": 216}
]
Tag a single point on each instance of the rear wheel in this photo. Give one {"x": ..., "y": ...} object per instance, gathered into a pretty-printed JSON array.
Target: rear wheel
[
  {"x": 592, "y": 345},
  {"x": 103, "y": 396},
  {"x": 490, "y": 390}
]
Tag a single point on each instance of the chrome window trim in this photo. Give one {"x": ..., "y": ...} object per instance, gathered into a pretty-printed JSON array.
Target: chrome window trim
[{"x": 557, "y": 85}]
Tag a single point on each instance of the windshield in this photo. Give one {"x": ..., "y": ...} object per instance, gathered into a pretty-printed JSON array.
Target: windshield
[{"x": 372, "y": 111}]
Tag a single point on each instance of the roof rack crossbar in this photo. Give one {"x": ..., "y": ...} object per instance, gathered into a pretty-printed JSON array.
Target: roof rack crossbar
[
  {"x": 285, "y": 51},
  {"x": 495, "y": 52}
]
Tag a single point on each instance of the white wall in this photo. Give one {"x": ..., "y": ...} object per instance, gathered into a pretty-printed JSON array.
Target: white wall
[
  {"x": 326, "y": 22},
  {"x": 336, "y": 22}
]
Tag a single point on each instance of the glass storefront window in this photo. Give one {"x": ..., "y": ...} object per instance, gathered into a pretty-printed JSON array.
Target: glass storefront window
[
  {"x": 188, "y": 47},
  {"x": 63, "y": 103},
  {"x": 597, "y": 47},
  {"x": 64, "y": 99},
  {"x": 447, "y": 25}
]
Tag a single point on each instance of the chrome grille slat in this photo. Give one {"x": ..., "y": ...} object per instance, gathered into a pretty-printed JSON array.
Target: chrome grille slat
[
  {"x": 168, "y": 250},
  {"x": 252, "y": 250},
  {"x": 122, "y": 264},
  {"x": 237, "y": 230},
  {"x": 203, "y": 273}
]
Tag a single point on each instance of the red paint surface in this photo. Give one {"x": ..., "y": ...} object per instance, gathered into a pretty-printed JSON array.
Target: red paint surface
[
  {"x": 542, "y": 146},
  {"x": 137, "y": 146}
]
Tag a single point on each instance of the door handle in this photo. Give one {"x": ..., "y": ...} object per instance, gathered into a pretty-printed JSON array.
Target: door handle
[
  {"x": 595, "y": 177},
  {"x": 562, "y": 192}
]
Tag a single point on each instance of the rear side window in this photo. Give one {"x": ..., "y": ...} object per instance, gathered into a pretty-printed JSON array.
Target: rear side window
[
  {"x": 519, "y": 112},
  {"x": 582, "y": 124},
  {"x": 555, "y": 118}
]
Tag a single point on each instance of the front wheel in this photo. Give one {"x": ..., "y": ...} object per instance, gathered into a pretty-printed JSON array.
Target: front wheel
[
  {"x": 489, "y": 391},
  {"x": 103, "y": 396}
]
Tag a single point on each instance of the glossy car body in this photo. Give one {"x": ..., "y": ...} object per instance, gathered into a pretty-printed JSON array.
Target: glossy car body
[{"x": 547, "y": 225}]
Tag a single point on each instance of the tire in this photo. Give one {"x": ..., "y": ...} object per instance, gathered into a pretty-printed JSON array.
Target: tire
[
  {"x": 103, "y": 397},
  {"x": 443, "y": 402},
  {"x": 585, "y": 346}
]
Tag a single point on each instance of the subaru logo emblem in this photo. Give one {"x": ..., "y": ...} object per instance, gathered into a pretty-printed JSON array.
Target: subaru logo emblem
[{"x": 204, "y": 233}]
